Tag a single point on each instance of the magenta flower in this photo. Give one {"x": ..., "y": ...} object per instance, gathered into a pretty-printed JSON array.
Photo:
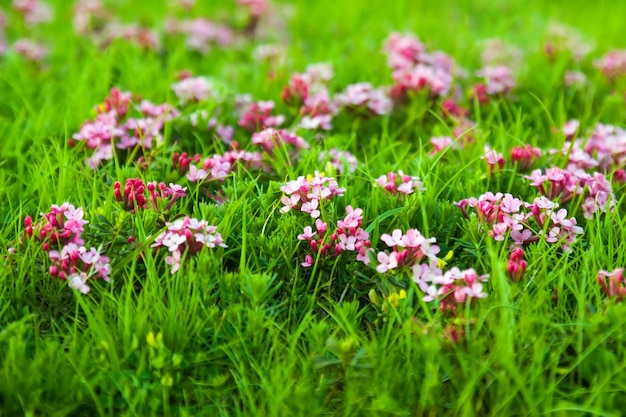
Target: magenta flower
[{"x": 399, "y": 183}]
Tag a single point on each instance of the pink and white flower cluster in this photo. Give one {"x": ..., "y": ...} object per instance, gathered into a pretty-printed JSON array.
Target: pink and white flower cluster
[
  {"x": 159, "y": 196},
  {"x": 450, "y": 288},
  {"x": 525, "y": 156},
  {"x": 418, "y": 254},
  {"x": 409, "y": 249},
  {"x": 399, "y": 183},
  {"x": 192, "y": 89},
  {"x": 202, "y": 34},
  {"x": 342, "y": 161},
  {"x": 349, "y": 236},
  {"x": 306, "y": 193},
  {"x": 309, "y": 91},
  {"x": 563, "y": 185},
  {"x": 187, "y": 235},
  {"x": 364, "y": 98},
  {"x": 612, "y": 64},
  {"x": 416, "y": 70},
  {"x": 34, "y": 12},
  {"x": 270, "y": 139},
  {"x": 256, "y": 116},
  {"x": 524, "y": 222},
  {"x": 112, "y": 127},
  {"x": 60, "y": 232}
]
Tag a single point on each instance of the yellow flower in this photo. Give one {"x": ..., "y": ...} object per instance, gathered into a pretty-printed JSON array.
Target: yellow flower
[
  {"x": 394, "y": 297},
  {"x": 441, "y": 263}
]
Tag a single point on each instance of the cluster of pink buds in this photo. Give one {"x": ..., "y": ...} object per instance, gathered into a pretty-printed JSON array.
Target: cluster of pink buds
[
  {"x": 525, "y": 156},
  {"x": 60, "y": 232},
  {"x": 612, "y": 64},
  {"x": 408, "y": 250},
  {"x": 201, "y": 34},
  {"x": 192, "y": 89},
  {"x": 33, "y": 11},
  {"x": 256, "y": 116},
  {"x": 516, "y": 267},
  {"x": 349, "y": 236},
  {"x": 187, "y": 235},
  {"x": 399, "y": 183},
  {"x": 494, "y": 159},
  {"x": 561, "y": 184},
  {"x": 342, "y": 161},
  {"x": 504, "y": 214},
  {"x": 141, "y": 36},
  {"x": 217, "y": 167},
  {"x": 306, "y": 193},
  {"x": 270, "y": 139},
  {"x": 616, "y": 285},
  {"x": 134, "y": 198},
  {"x": 416, "y": 70},
  {"x": 451, "y": 288},
  {"x": 112, "y": 127},
  {"x": 364, "y": 98}
]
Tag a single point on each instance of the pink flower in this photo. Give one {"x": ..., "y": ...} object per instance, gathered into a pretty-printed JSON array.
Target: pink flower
[
  {"x": 386, "y": 262},
  {"x": 192, "y": 89},
  {"x": 616, "y": 286}
]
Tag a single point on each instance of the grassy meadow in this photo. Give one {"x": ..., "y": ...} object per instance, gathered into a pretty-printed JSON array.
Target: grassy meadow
[{"x": 205, "y": 210}]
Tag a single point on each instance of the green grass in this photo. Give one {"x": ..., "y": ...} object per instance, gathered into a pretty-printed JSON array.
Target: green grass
[{"x": 246, "y": 330}]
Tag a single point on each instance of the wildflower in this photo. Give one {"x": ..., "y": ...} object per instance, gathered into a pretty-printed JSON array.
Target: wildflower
[
  {"x": 258, "y": 115},
  {"x": 341, "y": 161},
  {"x": 33, "y": 11},
  {"x": 516, "y": 267},
  {"x": 347, "y": 237},
  {"x": 270, "y": 138},
  {"x": 498, "y": 79},
  {"x": 30, "y": 50},
  {"x": 187, "y": 235},
  {"x": 365, "y": 98},
  {"x": 494, "y": 159},
  {"x": 612, "y": 64},
  {"x": 616, "y": 286},
  {"x": 399, "y": 183},
  {"x": 525, "y": 156},
  {"x": 192, "y": 89}
]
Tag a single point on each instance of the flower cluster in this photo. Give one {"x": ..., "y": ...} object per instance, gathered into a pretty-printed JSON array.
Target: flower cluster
[
  {"x": 201, "y": 34},
  {"x": 399, "y": 183},
  {"x": 34, "y": 12},
  {"x": 451, "y": 288},
  {"x": 112, "y": 126},
  {"x": 612, "y": 64},
  {"x": 187, "y": 235},
  {"x": 269, "y": 139},
  {"x": 192, "y": 89},
  {"x": 60, "y": 232},
  {"x": 349, "y": 236},
  {"x": 525, "y": 156},
  {"x": 409, "y": 249},
  {"x": 134, "y": 198},
  {"x": 256, "y": 116},
  {"x": 561, "y": 184},
  {"x": 564, "y": 39},
  {"x": 497, "y": 79},
  {"x": 306, "y": 194},
  {"x": 494, "y": 159},
  {"x": 416, "y": 70},
  {"x": 364, "y": 98},
  {"x": 616, "y": 286},
  {"x": 341, "y": 161},
  {"x": 506, "y": 215}
]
